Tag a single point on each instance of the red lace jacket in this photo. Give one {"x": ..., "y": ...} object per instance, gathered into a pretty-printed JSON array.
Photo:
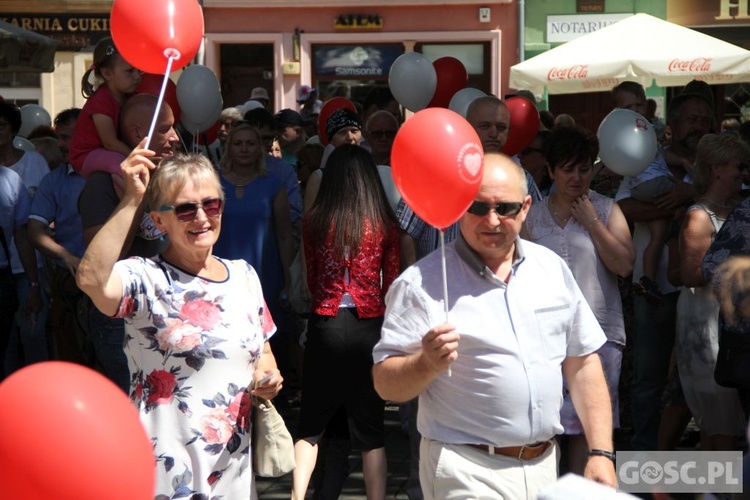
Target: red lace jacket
[{"x": 325, "y": 274}]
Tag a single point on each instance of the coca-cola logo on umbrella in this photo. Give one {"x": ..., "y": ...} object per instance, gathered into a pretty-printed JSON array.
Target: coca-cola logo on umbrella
[
  {"x": 574, "y": 72},
  {"x": 693, "y": 65}
]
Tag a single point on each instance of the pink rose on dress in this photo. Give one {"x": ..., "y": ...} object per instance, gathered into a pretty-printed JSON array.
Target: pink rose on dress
[
  {"x": 127, "y": 307},
  {"x": 179, "y": 336},
  {"x": 161, "y": 385},
  {"x": 239, "y": 410},
  {"x": 201, "y": 313},
  {"x": 216, "y": 426}
]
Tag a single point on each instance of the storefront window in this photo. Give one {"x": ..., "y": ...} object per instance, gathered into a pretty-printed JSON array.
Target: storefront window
[
  {"x": 474, "y": 56},
  {"x": 352, "y": 70},
  {"x": 245, "y": 66}
]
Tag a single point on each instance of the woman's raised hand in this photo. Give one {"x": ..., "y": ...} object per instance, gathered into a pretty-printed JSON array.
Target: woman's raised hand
[
  {"x": 583, "y": 210},
  {"x": 136, "y": 170}
]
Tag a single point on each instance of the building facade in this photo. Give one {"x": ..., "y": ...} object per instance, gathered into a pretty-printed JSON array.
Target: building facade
[{"x": 335, "y": 46}]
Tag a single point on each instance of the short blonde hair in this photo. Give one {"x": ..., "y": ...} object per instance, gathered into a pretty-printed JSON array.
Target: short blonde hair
[
  {"x": 715, "y": 149},
  {"x": 173, "y": 174}
]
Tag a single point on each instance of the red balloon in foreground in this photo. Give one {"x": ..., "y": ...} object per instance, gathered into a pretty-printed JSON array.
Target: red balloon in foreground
[
  {"x": 151, "y": 84},
  {"x": 524, "y": 124},
  {"x": 437, "y": 164},
  {"x": 71, "y": 434},
  {"x": 451, "y": 77},
  {"x": 327, "y": 110},
  {"x": 143, "y": 30}
]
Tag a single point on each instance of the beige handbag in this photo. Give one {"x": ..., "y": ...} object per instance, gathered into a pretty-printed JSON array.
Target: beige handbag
[{"x": 273, "y": 448}]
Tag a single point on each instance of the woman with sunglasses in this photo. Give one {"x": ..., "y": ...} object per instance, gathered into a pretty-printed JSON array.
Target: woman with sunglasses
[
  {"x": 197, "y": 328},
  {"x": 590, "y": 233},
  {"x": 351, "y": 239},
  {"x": 719, "y": 171}
]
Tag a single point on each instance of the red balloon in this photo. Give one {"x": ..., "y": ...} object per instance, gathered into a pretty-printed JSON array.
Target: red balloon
[
  {"x": 451, "y": 77},
  {"x": 524, "y": 125},
  {"x": 207, "y": 136},
  {"x": 437, "y": 164},
  {"x": 69, "y": 433},
  {"x": 327, "y": 110},
  {"x": 146, "y": 32},
  {"x": 151, "y": 84}
]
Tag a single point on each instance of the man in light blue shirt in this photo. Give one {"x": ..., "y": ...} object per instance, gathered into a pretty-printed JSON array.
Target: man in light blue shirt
[
  {"x": 490, "y": 380},
  {"x": 56, "y": 201}
]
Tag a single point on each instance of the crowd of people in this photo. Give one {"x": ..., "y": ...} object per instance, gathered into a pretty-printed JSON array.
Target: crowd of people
[{"x": 275, "y": 262}]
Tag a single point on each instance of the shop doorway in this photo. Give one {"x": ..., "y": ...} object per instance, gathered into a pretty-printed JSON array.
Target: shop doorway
[{"x": 245, "y": 66}]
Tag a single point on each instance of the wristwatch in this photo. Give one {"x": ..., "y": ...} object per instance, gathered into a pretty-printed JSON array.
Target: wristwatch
[{"x": 602, "y": 453}]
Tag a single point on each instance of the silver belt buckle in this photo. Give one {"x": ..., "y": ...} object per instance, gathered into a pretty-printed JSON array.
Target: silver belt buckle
[{"x": 520, "y": 452}]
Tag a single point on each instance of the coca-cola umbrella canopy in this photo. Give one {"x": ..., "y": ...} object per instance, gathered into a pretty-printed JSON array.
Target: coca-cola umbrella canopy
[
  {"x": 639, "y": 48},
  {"x": 22, "y": 50}
]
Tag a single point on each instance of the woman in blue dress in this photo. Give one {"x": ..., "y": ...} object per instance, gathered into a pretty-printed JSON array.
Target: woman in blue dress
[{"x": 256, "y": 224}]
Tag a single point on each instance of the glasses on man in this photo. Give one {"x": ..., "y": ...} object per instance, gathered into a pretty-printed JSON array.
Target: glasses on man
[
  {"x": 743, "y": 167},
  {"x": 383, "y": 134},
  {"x": 187, "y": 212},
  {"x": 503, "y": 209}
]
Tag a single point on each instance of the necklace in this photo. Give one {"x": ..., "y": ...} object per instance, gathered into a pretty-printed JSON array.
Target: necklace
[
  {"x": 555, "y": 215},
  {"x": 239, "y": 187}
]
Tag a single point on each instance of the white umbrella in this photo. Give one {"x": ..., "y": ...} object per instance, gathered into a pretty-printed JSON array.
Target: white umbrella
[
  {"x": 25, "y": 51},
  {"x": 640, "y": 48}
]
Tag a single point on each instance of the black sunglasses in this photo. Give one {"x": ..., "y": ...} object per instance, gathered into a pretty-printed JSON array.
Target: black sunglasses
[
  {"x": 503, "y": 209},
  {"x": 380, "y": 134},
  {"x": 187, "y": 212},
  {"x": 743, "y": 167}
]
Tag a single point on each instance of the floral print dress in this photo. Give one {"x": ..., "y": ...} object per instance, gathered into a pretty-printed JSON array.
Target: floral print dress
[{"x": 192, "y": 346}]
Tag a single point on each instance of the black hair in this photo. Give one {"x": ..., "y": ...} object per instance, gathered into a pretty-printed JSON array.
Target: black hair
[
  {"x": 67, "y": 116},
  {"x": 569, "y": 146},
  {"x": 351, "y": 199},
  {"x": 12, "y": 114}
]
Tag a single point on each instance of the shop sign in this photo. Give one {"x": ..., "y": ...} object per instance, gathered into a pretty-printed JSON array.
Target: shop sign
[
  {"x": 567, "y": 28},
  {"x": 72, "y": 31},
  {"x": 589, "y": 5},
  {"x": 355, "y": 60},
  {"x": 709, "y": 12},
  {"x": 358, "y": 22}
]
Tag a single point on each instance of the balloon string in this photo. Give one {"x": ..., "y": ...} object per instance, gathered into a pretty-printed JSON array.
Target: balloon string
[
  {"x": 445, "y": 280},
  {"x": 159, "y": 101}
]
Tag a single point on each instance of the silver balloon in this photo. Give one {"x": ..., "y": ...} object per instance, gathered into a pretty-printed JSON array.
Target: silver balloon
[
  {"x": 412, "y": 80},
  {"x": 627, "y": 142},
  {"x": 198, "y": 127},
  {"x": 463, "y": 98},
  {"x": 33, "y": 116},
  {"x": 198, "y": 93},
  {"x": 23, "y": 143}
]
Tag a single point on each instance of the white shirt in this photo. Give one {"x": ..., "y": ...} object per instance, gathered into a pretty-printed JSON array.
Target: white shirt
[{"x": 505, "y": 387}]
